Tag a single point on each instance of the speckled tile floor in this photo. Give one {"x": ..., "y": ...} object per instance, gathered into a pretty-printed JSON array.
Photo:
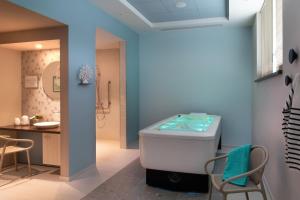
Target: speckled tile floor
[
  {"x": 47, "y": 186},
  {"x": 130, "y": 184}
]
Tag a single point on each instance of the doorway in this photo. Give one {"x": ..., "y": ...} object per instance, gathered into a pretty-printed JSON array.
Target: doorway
[
  {"x": 40, "y": 43},
  {"x": 110, "y": 89}
]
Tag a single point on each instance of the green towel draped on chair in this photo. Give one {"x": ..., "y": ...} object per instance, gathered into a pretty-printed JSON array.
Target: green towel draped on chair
[{"x": 238, "y": 163}]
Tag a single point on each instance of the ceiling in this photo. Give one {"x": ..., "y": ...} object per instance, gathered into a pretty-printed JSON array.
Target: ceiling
[
  {"x": 153, "y": 15},
  {"x": 166, "y": 10},
  {"x": 15, "y": 18},
  {"x": 30, "y": 46},
  {"x": 106, "y": 40}
]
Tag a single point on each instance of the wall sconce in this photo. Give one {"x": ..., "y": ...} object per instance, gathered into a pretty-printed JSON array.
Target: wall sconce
[
  {"x": 292, "y": 56},
  {"x": 85, "y": 75}
]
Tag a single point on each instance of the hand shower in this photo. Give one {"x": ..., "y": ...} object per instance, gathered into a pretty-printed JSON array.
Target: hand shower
[{"x": 101, "y": 110}]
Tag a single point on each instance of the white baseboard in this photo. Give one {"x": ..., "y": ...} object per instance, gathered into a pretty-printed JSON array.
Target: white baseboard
[
  {"x": 268, "y": 189},
  {"x": 92, "y": 167}
]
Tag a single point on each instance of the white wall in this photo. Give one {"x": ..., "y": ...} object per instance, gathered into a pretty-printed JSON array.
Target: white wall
[
  {"x": 268, "y": 100},
  {"x": 10, "y": 86},
  {"x": 108, "y": 61}
]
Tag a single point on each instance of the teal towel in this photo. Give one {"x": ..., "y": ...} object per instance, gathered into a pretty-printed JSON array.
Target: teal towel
[{"x": 238, "y": 163}]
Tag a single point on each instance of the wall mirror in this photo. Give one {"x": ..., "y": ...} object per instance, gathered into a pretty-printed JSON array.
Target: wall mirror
[{"x": 51, "y": 80}]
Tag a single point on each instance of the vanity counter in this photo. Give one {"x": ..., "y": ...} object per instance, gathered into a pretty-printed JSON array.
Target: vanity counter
[{"x": 29, "y": 129}]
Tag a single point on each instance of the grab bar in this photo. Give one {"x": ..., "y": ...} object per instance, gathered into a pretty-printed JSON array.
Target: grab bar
[{"x": 109, "y": 93}]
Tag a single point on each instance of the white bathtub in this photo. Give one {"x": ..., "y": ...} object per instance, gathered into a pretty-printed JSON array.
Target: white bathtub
[{"x": 179, "y": 151}]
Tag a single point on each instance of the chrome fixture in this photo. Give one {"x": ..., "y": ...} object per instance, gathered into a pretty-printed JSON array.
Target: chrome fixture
[{"x": 101, "y": 109}]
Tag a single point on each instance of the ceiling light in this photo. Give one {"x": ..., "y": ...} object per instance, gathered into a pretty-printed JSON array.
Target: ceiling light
[
  {"x": 38, "y": 46},
  {"x": 180, "y": 4}
]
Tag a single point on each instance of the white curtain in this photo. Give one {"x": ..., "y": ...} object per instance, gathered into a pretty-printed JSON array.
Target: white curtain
[
  {"x": 270, "y": 37},
  {"x": 279, "y": 30},
  {"x": 266, "y": 16}
]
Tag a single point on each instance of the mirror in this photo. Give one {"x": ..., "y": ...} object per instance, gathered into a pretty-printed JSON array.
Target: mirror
[{"x": 51, "y": 80}]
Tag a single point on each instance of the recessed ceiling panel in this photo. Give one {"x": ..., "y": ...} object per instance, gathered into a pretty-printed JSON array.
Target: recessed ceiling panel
[{"x": 166, "y": 10}]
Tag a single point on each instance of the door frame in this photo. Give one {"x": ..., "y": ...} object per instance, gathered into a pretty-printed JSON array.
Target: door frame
[
  {"x": 123, "y": 132},
  {"x": 52, "y": 33}
]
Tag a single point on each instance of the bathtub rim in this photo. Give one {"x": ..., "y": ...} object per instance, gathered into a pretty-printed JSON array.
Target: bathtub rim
[{"x": 210, "y": 134}]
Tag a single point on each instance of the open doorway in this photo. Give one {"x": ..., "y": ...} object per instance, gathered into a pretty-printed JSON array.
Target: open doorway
[
  {"x": 110, "y": 90},
  {"x": 40, "y": 58},
  {"x": 36, "y": 84}
]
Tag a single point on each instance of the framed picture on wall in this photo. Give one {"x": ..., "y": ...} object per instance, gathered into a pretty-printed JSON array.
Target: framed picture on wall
[
  {"x": 56, "y": 84},
  {"x": 31, "y": 82}
]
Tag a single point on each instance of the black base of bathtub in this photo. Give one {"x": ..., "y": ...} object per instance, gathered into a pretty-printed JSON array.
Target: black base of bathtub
[
  {"x": 220, "y": 143},
  {"x": 176, "y": 181}
]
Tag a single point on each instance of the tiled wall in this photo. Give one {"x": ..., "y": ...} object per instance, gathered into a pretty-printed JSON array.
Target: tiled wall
[{"x": 35, "y": 101}]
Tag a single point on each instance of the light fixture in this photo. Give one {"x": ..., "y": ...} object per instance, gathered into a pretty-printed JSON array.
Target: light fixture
[
  {"x": 38, "y": 46},
  {"x": 180, "y": 4}
]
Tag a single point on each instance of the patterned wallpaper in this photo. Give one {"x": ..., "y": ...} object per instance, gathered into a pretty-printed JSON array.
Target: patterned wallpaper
[{"x": 35, "y": 101}]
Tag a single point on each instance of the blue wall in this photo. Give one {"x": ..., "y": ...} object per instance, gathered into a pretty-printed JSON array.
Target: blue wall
[
  {"x": 83, "y": 18},
  {"x": 198, "y": 70}
]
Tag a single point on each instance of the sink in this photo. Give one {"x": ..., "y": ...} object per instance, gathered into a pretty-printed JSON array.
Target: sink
[{"x": 46, "y": 125}]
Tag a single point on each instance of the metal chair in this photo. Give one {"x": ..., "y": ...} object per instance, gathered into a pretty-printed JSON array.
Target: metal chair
[
  {"x": 10, "y": 146},
  {"x": 258, "y": 159}
]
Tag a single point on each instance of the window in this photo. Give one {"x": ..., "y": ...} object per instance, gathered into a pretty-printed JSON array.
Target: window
[{"x": 269, "y": 37}]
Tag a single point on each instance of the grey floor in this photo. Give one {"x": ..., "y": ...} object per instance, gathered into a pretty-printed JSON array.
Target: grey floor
[{"x": 129, "y": 184}]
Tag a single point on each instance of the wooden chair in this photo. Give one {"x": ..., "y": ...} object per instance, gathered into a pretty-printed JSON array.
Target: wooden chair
[
  {"x": 258, "y": 159},
  {"x": 10, "y": 146}
]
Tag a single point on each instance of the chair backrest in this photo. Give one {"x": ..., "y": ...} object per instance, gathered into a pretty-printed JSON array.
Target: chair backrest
[
  {"x": 258, "y": 159},
  {"x": 7, "y": 140},
  {"x": 4, "y": 139}
]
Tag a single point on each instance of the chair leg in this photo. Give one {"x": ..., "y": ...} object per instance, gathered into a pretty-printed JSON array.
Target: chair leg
[
  {"x": 29, "y": 164},
  {"x": 1, "y": 162},
  {"x": 16, "y": 162},
  {"x": 263, "y": 190},
  {"x": 247, "y": 195},
  {"x": 210, "y": 190}
]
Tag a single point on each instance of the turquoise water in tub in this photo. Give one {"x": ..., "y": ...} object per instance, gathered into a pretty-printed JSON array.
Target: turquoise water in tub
[{"x": 198, "y": 123}]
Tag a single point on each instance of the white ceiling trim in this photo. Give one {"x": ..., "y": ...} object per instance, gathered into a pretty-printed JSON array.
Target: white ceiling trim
[
  {"x": 136, "y": 12},
  {"x": 240, "y": 13},
  {"x": 176, "y": 24},
  {"x": 191, "y": 23}
]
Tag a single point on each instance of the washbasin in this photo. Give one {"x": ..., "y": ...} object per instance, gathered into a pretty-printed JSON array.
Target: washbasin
[{"x": 46, "y": 125}]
